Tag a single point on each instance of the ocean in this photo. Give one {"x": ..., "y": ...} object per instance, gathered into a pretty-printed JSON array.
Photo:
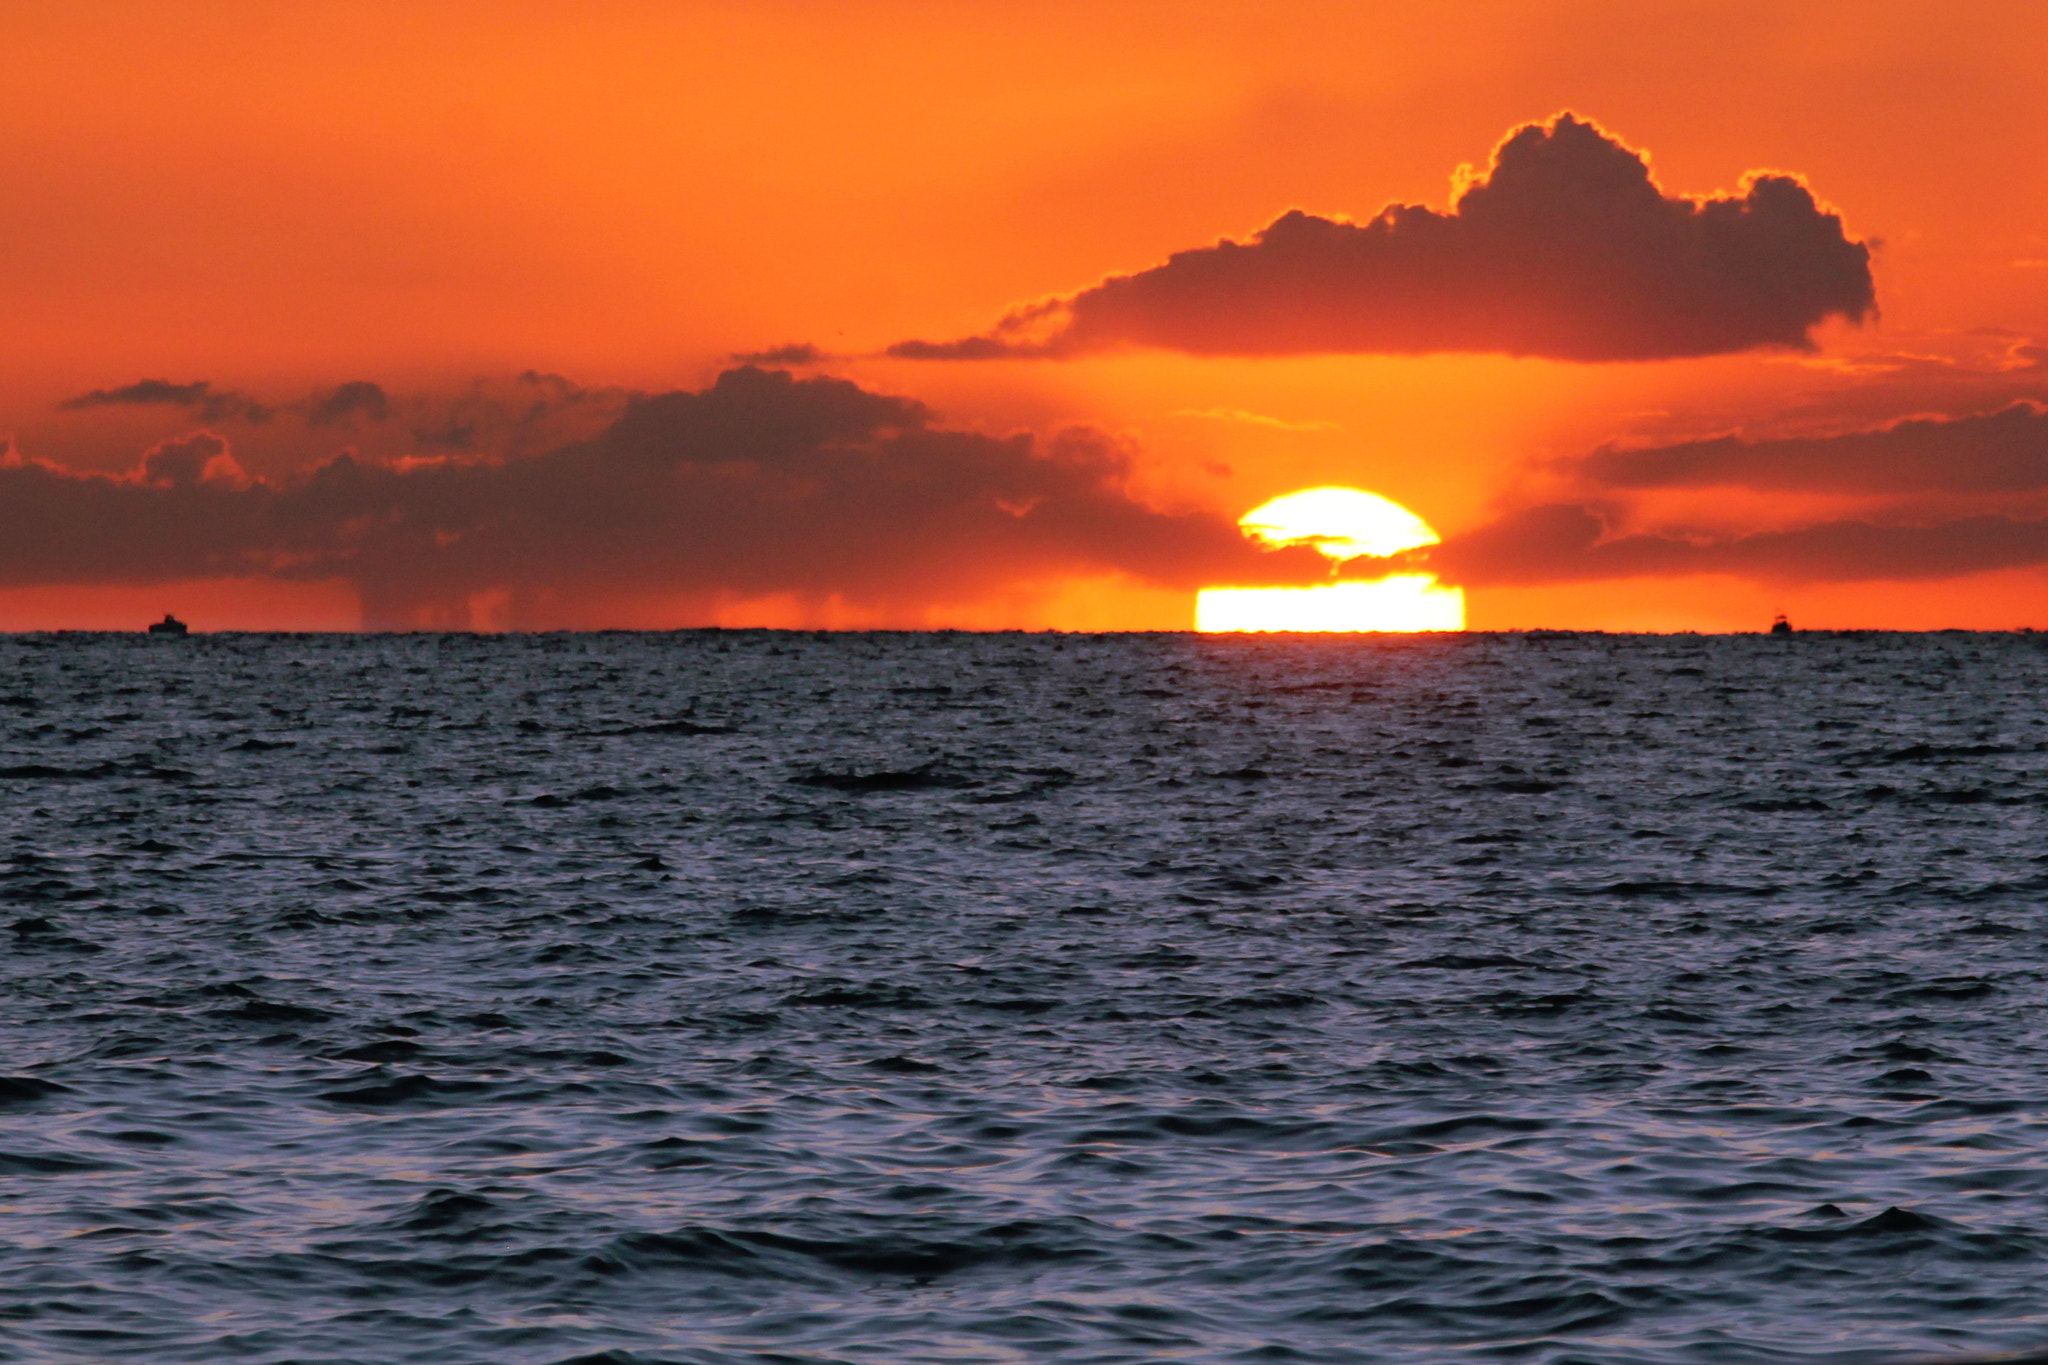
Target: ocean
[{"x": 749, "y": 996}]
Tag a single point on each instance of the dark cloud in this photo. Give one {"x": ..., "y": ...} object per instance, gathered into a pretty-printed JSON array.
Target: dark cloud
[
  {"x": 533, "y": 412},
  {"x": 1572, "y": 543},
  {"x": 188, "y": 462},
  {"x": 1567, "y": 249},
  {"x": 358, "y": 397},
  {"x": 554, "y": 386},
  {"x": 989, "y": 347},
  {"x": 2004, "y": 451},
  {"x": 795, "y": 353},
  {"x": 211, "y": 405},
  {"x": 454, "y": 435},
  {"x": 143, "y": 392},
  {"x": 184, "y": 512},
  {"x": 760, "y": 484}
]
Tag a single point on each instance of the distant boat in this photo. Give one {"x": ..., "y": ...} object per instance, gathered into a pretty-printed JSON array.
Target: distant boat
[
  {"x": 170, "y": 625},
  {"x": 1779, "y": 625}
]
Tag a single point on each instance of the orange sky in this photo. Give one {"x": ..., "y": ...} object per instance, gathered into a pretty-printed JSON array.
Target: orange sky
[{"x": 279, "y": 198}]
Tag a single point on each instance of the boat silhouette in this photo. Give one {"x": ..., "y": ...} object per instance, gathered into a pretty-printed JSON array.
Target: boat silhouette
[{"x": 170, "y": 625}]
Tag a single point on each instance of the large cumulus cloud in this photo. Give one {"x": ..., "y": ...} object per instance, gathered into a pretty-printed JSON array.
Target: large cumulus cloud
[
  {"x": 1566, "y": 249},
  {"x": 759, "y": 484}
]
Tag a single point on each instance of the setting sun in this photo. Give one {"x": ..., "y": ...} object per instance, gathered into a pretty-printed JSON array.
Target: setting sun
[{"x": 1343, "y": 523}]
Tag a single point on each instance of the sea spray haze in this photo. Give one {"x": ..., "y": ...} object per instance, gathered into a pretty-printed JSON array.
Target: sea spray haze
[{"x": 743, "y": 996}]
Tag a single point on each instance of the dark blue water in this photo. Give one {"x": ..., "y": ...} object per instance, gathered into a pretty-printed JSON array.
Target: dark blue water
[{"x": 749, "y": 997}]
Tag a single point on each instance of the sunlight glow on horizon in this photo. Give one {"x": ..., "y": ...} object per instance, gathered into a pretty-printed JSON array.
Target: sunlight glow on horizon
[{"x": 1400, "y": 602}]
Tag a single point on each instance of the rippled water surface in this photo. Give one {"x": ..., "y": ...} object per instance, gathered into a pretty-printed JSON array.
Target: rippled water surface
[{"x": 747, "y": 997}]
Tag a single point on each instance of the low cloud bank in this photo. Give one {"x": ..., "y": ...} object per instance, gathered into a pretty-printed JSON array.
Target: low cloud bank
[
  {"x": 760, "y": 484},
  {"x": 1918, "y": 498},
  {"x": 1565, "y": 249},
  {"x": 2003, "y": 451},
  {"x": 1571, "y": 543}
]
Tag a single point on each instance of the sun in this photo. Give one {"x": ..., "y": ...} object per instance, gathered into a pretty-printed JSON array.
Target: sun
[{"x": 1343, "y": 523}]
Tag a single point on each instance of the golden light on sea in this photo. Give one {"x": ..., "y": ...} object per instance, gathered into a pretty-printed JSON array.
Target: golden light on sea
[{"x": 1343, "y": 523}]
